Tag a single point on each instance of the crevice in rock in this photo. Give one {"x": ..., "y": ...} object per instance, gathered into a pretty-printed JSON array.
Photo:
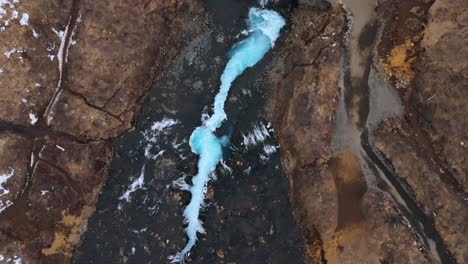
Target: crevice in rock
[
  {"x": 85, "y": 100},
  {"x": 66, "y": 176},
  {"x": 62, "y": 57},
  {"x": 421, "y": 139},
  {"x": 40, "y": 131},
  {"x": 423, "y": 223},
  {"x": 116, "y": 92}
]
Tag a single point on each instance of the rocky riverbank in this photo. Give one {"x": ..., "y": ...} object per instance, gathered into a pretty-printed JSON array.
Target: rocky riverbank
[{"x": 383, "y": 194}]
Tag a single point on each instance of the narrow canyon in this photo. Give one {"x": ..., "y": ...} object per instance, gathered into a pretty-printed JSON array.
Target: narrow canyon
[{"x": 233, "y": 131}]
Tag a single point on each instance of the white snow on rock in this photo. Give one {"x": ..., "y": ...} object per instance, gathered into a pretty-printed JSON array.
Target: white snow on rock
[
  {"x": 33, "y": 118},
  {"x": 62, "y": 57},
  {"x": 14, "y": 14},
  {"x": 35, "y": 34},
  {"x": 8, "y": 14},
  {"x": 24, "y": 19},
  {"x": 3, "y": 190},
  {"x": 8, "y": 53},
  {"x": 5, "y": 205},
  {"x": 3, "y": 179},
  {"x": 60, "y": 147}
]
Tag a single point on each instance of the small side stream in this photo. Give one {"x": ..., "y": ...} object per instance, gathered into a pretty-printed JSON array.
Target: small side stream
[{"x": 365, "y": 101}]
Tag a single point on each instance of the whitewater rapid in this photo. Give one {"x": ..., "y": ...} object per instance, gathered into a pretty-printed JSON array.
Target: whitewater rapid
[{"x": 263, "y": 28}]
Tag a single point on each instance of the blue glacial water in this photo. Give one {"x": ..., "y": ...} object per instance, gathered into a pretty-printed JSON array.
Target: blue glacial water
[{"x": 263, "y": 30}]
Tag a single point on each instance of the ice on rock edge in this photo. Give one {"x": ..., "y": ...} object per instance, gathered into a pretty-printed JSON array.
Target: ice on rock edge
[{"x": 263, "y": 30}]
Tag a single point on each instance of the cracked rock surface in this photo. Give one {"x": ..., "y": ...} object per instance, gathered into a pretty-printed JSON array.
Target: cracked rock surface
[
  {"x": 72, "y": 74},
  {"x": 398, "y": 180}
]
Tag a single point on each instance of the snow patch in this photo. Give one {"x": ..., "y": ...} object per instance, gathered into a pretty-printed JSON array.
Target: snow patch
[
  {"x": 3, "y": 190},
  {"x": 12, "y": 51},
  {"x": 8, "y": 6},
  {"x": 62, "y": 56},
  {"x": 3, "y": 179},
  {"x": 24, "y": 19},
  {"x": 60, "y": 147},
  {"x": 33, "y": 118},
  {"x": 35, "y": 34},
  {"x": 17, "y": 260}
]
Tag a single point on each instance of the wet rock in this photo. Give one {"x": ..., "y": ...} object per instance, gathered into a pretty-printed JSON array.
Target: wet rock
[
  {"x": 423, "y": 176},
  {"x": 365, "y": 219}
]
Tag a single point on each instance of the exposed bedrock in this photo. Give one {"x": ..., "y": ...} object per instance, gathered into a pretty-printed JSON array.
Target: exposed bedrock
[
  {"x": 386, "y": 183},
  {"x": 72, "y": 74},
  {"x": 426, "y": 147}
]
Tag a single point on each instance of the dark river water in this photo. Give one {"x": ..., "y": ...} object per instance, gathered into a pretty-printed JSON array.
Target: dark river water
[{"x": 247, "y": 217}]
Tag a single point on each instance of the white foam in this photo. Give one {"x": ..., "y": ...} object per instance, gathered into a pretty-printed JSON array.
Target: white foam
[
  {"x": 135, "y": 185},
  {"x": 259, "y": 134}
]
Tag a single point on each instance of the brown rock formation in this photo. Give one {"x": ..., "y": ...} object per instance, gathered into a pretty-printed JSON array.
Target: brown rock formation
[
  {"x": 355, "y": 206},
  {"x": 440, "y": 86},
  {"x": 427, "y": 148},
  {"x": 414, "y": 166},
  {"x": 71, "y": 77}
]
